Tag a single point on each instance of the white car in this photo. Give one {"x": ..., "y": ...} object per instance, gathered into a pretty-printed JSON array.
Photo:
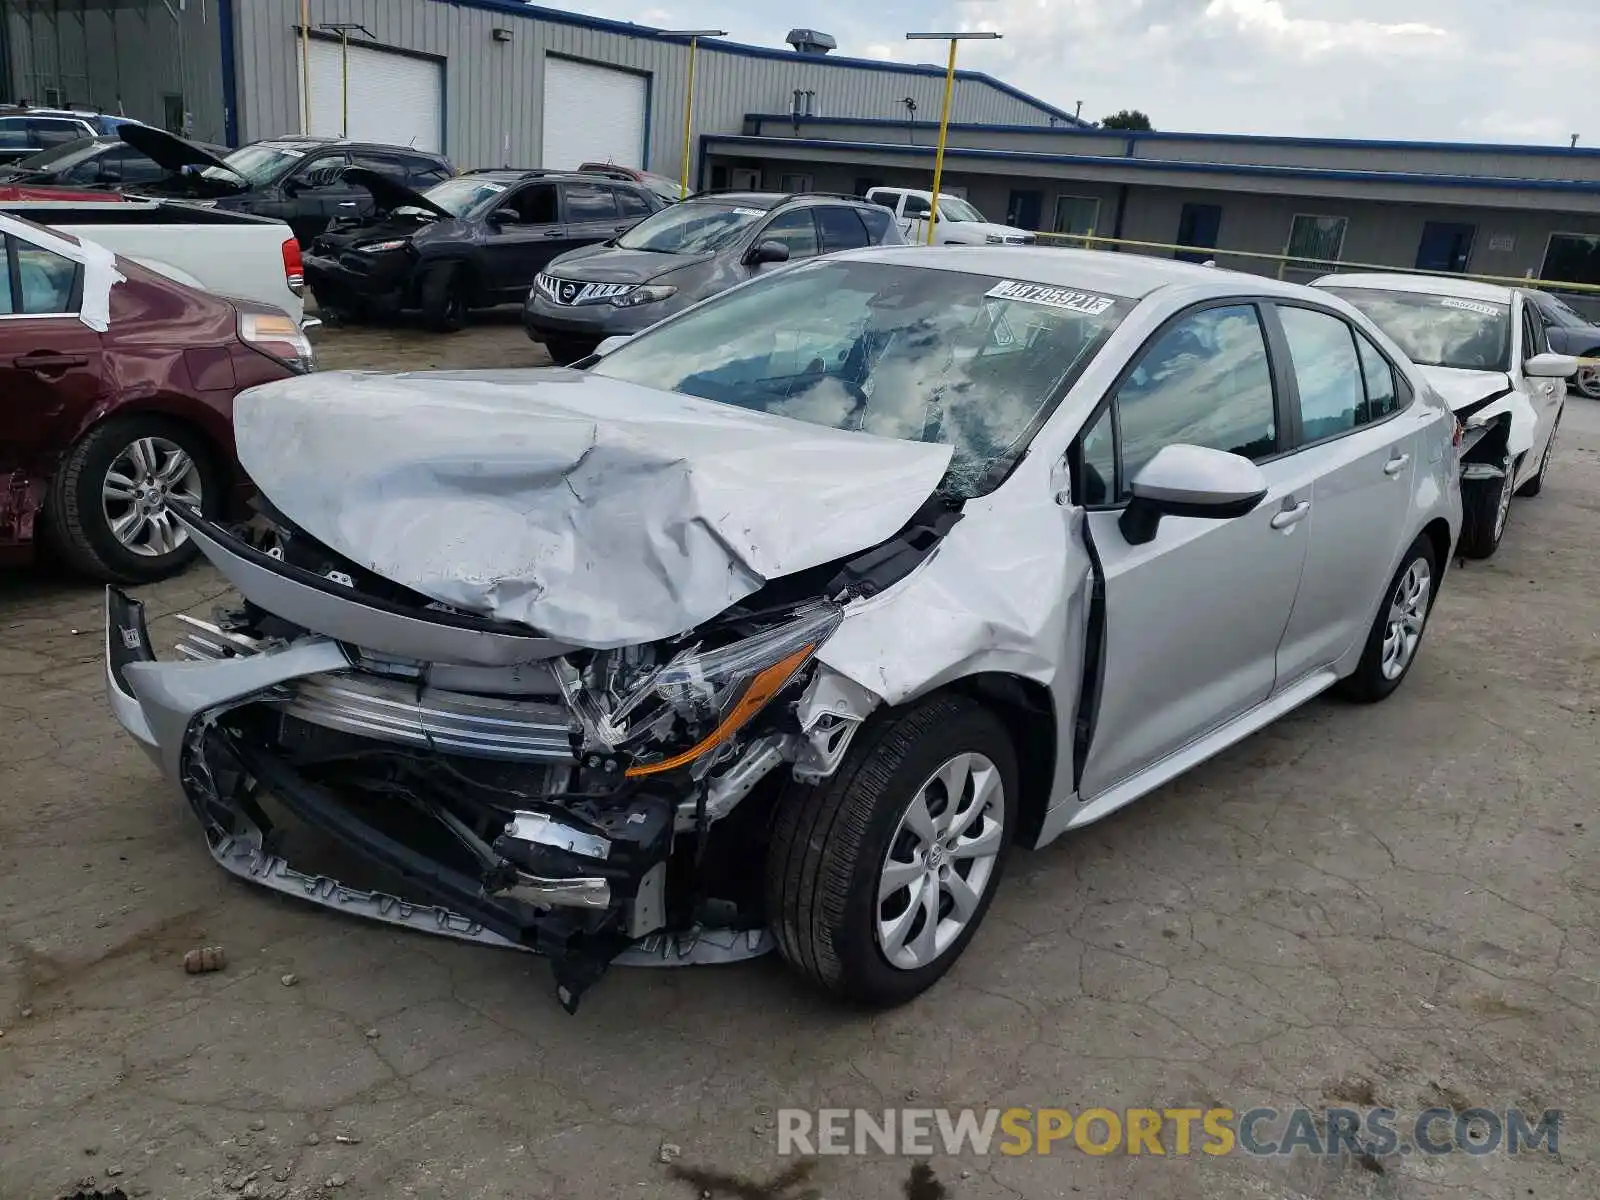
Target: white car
[
  {"x": 1484, "y": 348},
  {"x": 959, "y": 224}
]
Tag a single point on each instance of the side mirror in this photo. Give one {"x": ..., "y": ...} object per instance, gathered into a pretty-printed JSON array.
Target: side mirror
[
  {"x": 505, "y": 216},
  {"x": 769, "y": 251},
  {"x": 291, "y": 188},
  {"x": 612, "y": 342},
  {"x": 1550, "y": 366},
  {"x": 1190, "y": 481}
]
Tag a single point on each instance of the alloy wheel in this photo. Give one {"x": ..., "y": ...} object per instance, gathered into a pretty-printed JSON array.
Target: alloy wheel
[
  {"x": 1503, "y": 506},
  {"x": 940, "y": 861},
  {"x": 143, "y": 479},
  {"x": 1408, "y": 612},
  {"x": 1588, "y": 382}
]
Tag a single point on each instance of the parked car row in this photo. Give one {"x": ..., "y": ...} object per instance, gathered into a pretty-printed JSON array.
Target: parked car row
[{"x": 781, "y": 621}]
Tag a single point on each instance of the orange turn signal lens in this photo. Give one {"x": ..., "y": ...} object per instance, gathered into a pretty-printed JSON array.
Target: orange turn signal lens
[{"x": 762, "y": 689}]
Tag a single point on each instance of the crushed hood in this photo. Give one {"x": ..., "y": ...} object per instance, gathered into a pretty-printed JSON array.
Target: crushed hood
[
  {"x": 389, "y": 195},
  {"x": 598, "y": 512},
  {"x": 1462, "y": 388},
  {"x": 167, "y": 151}
]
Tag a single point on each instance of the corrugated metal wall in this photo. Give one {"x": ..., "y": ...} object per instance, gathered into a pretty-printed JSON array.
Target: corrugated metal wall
[
  {"x": 493, "y": 89},
  {"x": 127, "y": 56}
]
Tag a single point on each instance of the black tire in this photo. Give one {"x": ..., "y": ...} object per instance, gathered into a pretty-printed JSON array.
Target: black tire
[
  {"x": 565, "y": 351},
  {"x": 75, "y": 518},
  {"x": 1368, "y": 684},
  {"x": 1587, "y": 381},
  {"x": 444, "y": 299},
  {"x": 830, "y": 840},
  {"x": 1536, "y": 485},
  {"x": 1481, "y": 524}
]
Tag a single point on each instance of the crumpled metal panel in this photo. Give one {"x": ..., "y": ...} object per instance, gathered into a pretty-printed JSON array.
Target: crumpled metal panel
[
  {"x": 1461, "y": 388},
  {"x": 599, "y": 512}
]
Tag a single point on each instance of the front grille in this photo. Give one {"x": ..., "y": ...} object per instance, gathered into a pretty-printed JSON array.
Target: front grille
[
  {"x": 393, "y": 710},
  {"x": 573, "y": 292}
]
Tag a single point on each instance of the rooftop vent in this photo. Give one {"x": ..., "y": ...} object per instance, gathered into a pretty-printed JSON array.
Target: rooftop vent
[{"x": 811, "y": 41}]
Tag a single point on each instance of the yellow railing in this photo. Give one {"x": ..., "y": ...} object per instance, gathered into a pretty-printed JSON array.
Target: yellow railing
[{"x": 1090, "y": 241}]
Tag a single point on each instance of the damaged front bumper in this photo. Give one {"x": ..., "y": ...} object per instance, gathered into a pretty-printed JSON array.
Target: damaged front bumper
[{"x": 448, "y": 757}]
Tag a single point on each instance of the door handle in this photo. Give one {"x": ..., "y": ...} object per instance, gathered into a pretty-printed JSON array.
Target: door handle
[
  {"x": 347, "y": 204},
  {"x": 1395, "y": 465},
  {"x": 1291, "y": 517},
  {"x": 555, "y": 233},
  {"x": 44, "y": 360}
]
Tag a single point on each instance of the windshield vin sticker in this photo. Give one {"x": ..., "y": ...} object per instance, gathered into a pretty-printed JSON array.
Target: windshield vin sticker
[
  {"x": 1487, "y": 310},
  {"x": 750, "y": 212},
  {"x": 1038, "y": 293}
]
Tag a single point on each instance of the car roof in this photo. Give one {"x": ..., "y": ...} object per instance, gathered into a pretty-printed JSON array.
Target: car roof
[
  {"x": 1427, "y": 285},
  {"x": 1133, "y": 276}
]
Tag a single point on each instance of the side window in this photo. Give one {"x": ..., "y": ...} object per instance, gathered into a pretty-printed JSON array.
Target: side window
[
  {"x": 124, "y": 164},
  {"x": 878, "y": 222},
  {"x": 841, "y": 228},
  {"x": 796, "y": 229},
  {"x": 534, "y": 205},
  {"x": 1206, "y": 381},
  {"x": 1383, "y": 396},
  {"x": 916, "y": 206},
  {"x": 47, "y": 133},
  {"x": 321, "y": 172},
  {"x": 631, "y": 204},
  {"x": 39, "y": 282},
  {"x": 1533, "y": 339},
  {"x": 1327, "y": 372},
  {"x": 383, "y": 164},
  {"x": 587, "y": 202},
  {"x": 1099, "y": 461},
  {"x": 14, "y": 134}
]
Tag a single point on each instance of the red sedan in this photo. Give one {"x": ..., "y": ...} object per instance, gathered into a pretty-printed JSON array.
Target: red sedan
[{"x": 118, "y": 386}]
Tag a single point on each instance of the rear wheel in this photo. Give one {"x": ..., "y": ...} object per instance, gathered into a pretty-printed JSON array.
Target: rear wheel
[
  {"x": 878, "y": 877},
  {"x": 1485, "y": 506},
  {"x": 108, "y": 511},
  {"x": 444, "y": 299},
  {"x": 1396, "y": 634},
  {"x": 1587, "y": 381}
]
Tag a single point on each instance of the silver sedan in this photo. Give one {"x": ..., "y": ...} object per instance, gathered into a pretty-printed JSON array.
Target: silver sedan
[{"x": 783, "y": 622}]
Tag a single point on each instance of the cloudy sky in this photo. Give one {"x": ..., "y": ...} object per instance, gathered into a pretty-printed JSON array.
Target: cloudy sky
[{"x": 1469, "y": 70}]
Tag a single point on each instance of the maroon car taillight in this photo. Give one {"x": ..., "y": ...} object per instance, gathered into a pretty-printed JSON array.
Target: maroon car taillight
[{"x": 294, "y": 270}]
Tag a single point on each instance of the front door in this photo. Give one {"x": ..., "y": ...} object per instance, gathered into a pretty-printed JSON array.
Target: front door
[
  {"x": 1358, "y": 453},
  {"x": 1546, "y": 395},
  {"x": 516, "y": 251},
  {"x": 1025, "y": 209},
  {"x": 1445, "y": 246},
  {"x": 1198, "y": 225},
  {"x": 317, "y": 193},
  {"x": 796, "y": 229},
  {"x": 1195, "y": 616}
]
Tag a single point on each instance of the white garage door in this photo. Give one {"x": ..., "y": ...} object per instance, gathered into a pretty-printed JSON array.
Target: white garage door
[
  {"x": 592, "y": 114},
  {"x": 394, "y": 98}
]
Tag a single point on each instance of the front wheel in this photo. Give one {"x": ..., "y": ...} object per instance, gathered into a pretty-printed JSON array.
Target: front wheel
[
  {"x": 565, "y": 351},
  {"x": 1485, "y": 506},
  {"x": 878, "y": 877},
  {"x": 1587, "y": 381},
  {"x": 1396, "y": 634},
  {"x": 444, "y": 300}
]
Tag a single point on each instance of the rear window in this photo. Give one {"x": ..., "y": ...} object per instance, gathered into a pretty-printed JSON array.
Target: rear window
[{"x": 586, "y": 202}]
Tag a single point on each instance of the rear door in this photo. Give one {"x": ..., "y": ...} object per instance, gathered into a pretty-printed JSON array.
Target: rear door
[
  {"x": 633, "y": 206},
  {"x": 50, "y": 363},
  {"x": 591, "y": 213},
  {"x": 840, "y": 228},
  {"x": 1356, "y": 435}
]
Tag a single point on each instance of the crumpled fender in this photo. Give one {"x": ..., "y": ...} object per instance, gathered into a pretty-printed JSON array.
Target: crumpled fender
[{"x": 1523, "y": 421}]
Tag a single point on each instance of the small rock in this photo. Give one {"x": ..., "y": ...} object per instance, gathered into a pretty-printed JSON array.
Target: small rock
[
  {"x": 252, "y": 1191},
  {"x": 179, "y": 1169},
  {"x": 88, "y": 1184},
  {"x": 336, "y": 1181},
  {"x": 26, "y": 1013},
  {"x": 289, "y": 980},
  {"x": 138, "y": 1189},
  {"x": 202, "y": 959},
  {"x": 669, "y": 1152},
  {"x": 258, "y": 1124},
  {"x": 345, "y": 1139},
  {"x": 966, "y": 1174},
  {"x": 75, "y": 633},
  {"x": 371, "y": 1034},
  {"x": 91, "y": 1151},
  {"x": 313, "y": 1138},
  {"x": 1120, "y": 945},
  {"x": 911, "y": 1093},
  {"x": 281, "y": 1175},
  {"x": 113, "y": 1172},
  {"x": 706, "y": 1194},
  {"x": 236, "y": 1184}
]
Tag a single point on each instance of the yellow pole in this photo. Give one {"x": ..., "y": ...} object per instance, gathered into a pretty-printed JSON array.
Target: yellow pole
[
  {"x": 944, "y": 127},
  {"x": 688, "y": 118},
  {"x": 344, "y": 82},
  {"x": 305, "y": 66}
]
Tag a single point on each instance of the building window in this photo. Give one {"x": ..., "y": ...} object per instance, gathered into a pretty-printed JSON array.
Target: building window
[
  {"x": 54, "y": 97},
  {"x": 1319, "y": 239},
  {"x": 1572, "y": 258},
  {"x": 794, "y": 183},
  {"x": 172, "y": 113},
  {"x": 1076, "y": 215}
]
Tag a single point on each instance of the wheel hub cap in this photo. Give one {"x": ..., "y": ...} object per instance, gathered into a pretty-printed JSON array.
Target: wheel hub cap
[
  {"x": 1408, "y": 612},
  {"x": 140, "y": 482},
  {"x": 940, "y": 861}
]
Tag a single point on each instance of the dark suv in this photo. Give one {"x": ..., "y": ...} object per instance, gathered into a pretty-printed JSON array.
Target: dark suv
[
  {"x": 473, "y": 241},
  {"x": 299, "y": 180},
  {"x": 685, "y": 253}
]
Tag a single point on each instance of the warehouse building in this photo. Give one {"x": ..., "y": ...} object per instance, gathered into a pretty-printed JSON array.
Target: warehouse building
[{"x": 487, "y": 82}]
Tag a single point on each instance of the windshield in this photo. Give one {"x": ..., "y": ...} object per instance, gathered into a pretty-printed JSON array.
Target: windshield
[
  {"x": 256, "y": 165},
  {"x": 973, "y": 362},
  {"x": 461, "y": 194},
  {"x": 955, "y": 209},
  {"x": 59, "y": 158},
  {"x": 694, "y": 227},
  {"x": 1561, "y": 313},
  {"x": 1439, "y": 331}
]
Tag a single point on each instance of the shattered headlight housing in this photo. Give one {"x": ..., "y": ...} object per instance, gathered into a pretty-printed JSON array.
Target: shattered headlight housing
[{"x": 679, "y": 714}]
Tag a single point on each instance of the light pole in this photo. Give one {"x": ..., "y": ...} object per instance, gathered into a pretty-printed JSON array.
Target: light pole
[
  {"x": 344, "y": 29},
  {"x": 944, "y": 115},
  {"x": 694, "y": 36}
]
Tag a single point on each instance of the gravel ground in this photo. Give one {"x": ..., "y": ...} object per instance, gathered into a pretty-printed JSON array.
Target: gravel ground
[{"x": 1392, "y": 905}]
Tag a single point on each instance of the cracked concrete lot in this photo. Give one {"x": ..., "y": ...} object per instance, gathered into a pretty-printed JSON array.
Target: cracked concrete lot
[{"x": 1393, "y": 905}]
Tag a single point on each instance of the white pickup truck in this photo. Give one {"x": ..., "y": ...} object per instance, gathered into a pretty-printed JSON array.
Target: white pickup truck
[
  {"x": 959, "y": 224},
  {"x": 232, "y": 254}
]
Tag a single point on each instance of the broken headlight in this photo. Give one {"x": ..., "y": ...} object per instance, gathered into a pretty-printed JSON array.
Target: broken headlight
[{"x": 679, "y": 713}]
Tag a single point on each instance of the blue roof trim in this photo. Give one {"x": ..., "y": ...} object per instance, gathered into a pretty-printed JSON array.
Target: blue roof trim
[
  {"x": 713, "y": 141},
  {"x": 1256, "y": 139},
  {"x": 741, "y": 49}
]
